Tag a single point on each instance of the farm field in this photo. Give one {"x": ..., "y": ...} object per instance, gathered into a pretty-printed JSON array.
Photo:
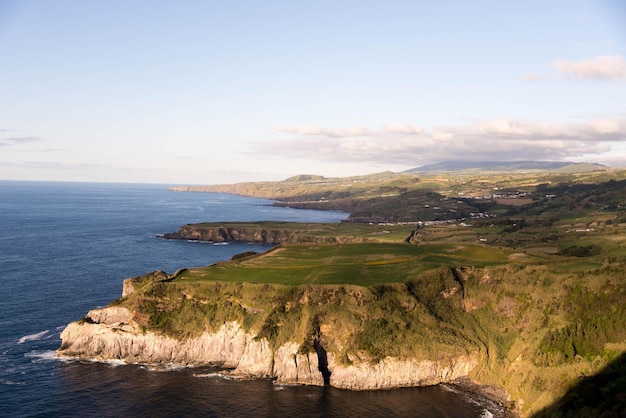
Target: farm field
[{"x": 354, "y": 264}]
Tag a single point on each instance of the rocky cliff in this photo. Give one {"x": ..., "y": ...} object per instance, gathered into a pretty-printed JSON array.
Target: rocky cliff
[
  {"x": 219, "y": 234},
  {"x": 111, "y": 333},
  {"x": 270, "y": 233},
  {"x": 485, "y": 323}
]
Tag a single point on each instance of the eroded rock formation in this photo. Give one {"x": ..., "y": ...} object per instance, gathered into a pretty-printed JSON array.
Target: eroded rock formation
[
  {"x": 230, "y": 234},
  {"x": 111, "y": 333}
]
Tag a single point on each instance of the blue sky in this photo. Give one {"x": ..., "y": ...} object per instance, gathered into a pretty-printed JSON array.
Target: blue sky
[{"x": 218, "y": 92}]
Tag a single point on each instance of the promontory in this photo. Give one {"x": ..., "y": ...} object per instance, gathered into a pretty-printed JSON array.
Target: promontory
[{"x": 521, "y": 291}]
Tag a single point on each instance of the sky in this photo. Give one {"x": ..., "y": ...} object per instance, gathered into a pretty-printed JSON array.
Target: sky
[{"x": 212, "y": 92}]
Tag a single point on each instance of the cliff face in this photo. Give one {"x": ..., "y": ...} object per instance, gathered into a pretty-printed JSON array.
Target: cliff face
[
  {"x": 111, "y": 333},
  {"x": 265, "y": 233},
  {"x": 230, "y": 234}
]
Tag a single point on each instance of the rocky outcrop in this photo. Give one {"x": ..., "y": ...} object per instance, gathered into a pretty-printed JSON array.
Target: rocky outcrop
[
  {"x": 393, "y": 373},
  {"x": 260, "y": 234},
  {"x": 111, "y": 333},
  {"x": 109, "y": 316},
  {"x": 129, "y": 286},
  {"x": 229, "y": 347},
  {"x": 230, "y": 234}
]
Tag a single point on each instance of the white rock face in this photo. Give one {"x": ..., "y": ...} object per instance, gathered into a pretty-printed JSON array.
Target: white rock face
[
  {"x": 110, "y": 316},
  {"x": 229, "y": 347},
  {"x": 292, "y": 367},
  {"x": 127, "y": 287},
  {"x": 392, "y": 373},
  {"x": 112, "y": 334}
]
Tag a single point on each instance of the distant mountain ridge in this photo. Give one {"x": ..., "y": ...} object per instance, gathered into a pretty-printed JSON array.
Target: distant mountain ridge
[{"x": 562, "y": 166}]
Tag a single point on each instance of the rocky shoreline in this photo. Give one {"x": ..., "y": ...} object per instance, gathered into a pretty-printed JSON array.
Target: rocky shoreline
[
  {"x": 112, "y": 334},
  {"x": 492, "y": 398}
]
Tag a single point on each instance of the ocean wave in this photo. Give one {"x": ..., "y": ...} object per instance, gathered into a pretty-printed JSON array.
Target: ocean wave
[
  {"x": 43, "y": 355},
  {"x": 448, "y": 388},
  {"x": 163, "y": 367},
  {"x": 111, "y": 363},
  {"x": 10, "y": 382},
  {"x": 486, "y": 414},
  {"x": 219, "y": 375},
  {"x": 32, "y": 337}
]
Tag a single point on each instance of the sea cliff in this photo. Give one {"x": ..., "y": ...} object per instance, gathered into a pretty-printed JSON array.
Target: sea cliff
[
  {"x": 220, "y": 234},
  {"x": 111, "y": 333},
  {"x": 280, "y": 232},
  {"x": 372, "y": 316}
]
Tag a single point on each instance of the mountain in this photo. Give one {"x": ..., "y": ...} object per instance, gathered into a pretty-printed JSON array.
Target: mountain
[{"x": 561, "y": 166}]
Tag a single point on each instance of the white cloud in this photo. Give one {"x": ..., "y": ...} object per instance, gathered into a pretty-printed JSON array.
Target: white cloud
[
  {"x": 402, "y": 128},
  {"x": 497, "y": 139},
  {"x": 313, "y": 130},
  {"x": 533, "y": 77},
  {"x": 19, "y": 140},
  {"x": 604, "y": 67}
]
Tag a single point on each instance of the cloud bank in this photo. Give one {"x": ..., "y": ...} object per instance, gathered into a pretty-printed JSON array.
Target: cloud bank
[
  {"x": 18, "y": 140},
  {"x": 604, "y": 67},
  {"x": 498, "y": 139}
]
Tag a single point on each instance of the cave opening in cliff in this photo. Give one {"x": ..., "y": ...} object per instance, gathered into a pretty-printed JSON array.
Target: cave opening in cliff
[{"x": 322, "y": 361}]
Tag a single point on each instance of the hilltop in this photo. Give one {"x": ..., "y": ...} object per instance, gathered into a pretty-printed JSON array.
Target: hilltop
[{"x": 412, "y": 197}]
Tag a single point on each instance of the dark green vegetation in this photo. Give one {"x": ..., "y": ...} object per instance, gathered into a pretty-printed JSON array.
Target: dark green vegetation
[
  {"x": 600, "y": 395},
  {"x": 531, "y": 280}
]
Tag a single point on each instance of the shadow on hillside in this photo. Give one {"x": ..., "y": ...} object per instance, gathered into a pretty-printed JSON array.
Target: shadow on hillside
[{"x": 600, "y": 395}]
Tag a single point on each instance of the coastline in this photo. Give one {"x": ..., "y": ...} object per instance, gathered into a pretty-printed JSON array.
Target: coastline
[
  {"x": 111, "y": 333},
  {"x": 493, "y": 400}
]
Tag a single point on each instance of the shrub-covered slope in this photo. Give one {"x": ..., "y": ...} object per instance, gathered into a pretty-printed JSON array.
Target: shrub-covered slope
[{"x": 535, "y": 328}]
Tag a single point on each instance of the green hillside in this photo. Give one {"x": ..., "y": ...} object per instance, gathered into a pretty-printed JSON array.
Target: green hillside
[{"x": 534, "y": 286}]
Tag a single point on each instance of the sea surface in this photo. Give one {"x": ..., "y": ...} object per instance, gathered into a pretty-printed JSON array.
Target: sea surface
[{"x": 65, "y": 248}]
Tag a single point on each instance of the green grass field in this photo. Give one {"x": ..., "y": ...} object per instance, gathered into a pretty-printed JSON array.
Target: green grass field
[{"x": 355, "y": 264}]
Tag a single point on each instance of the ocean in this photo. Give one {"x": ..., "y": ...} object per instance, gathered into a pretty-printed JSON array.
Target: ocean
[{"x": 65, "y": 248}]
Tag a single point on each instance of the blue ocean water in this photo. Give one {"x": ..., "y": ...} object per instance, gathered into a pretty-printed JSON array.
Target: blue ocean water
[{"x": 66, "y": 247}]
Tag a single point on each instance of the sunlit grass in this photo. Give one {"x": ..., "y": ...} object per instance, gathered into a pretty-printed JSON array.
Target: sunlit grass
[{"x": 359, "y": 264}]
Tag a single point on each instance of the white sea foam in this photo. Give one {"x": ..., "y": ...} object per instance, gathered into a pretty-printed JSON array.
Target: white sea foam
[
  {"x": 486, "y": 414},
  {"x": 448, "y": 388},
  {"x": 32, "y": 337},
  {"x": 219, "y": 375},
  {"x": 43, "y": 355},
  {"x": 214, "y": 374},
  {"x": 112, "y": 363},
  {"x": 10, "y": 382},
  {"x": 163, "y": 367}
]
